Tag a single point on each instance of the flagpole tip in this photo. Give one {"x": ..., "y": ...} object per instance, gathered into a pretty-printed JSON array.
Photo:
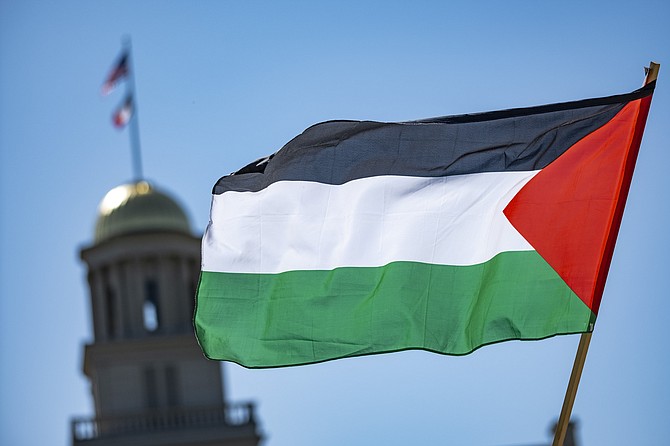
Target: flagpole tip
[{"x": 651, "y": 72}]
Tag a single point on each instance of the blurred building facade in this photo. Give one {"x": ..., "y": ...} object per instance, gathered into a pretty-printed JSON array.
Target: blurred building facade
[
  {"x": 570, "y": 435},
  {"x": 150, "y": 382}
]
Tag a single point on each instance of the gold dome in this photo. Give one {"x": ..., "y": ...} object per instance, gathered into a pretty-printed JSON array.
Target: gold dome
[{"x": 138, "y": 207}]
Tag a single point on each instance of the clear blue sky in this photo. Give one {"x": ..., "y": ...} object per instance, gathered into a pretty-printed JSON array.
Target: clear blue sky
[{"x": 223, "y": 83}]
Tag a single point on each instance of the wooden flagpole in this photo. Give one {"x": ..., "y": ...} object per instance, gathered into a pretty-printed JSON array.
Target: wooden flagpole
[
  {"x": 571, "y": 392},
  {"x": 582, "y": 349}
]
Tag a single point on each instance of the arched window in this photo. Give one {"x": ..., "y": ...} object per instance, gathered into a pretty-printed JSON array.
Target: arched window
[{"x": 151, "y": 311}]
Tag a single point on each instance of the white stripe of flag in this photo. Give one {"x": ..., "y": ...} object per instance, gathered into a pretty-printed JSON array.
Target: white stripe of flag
[{"x": 298, "y": 225}]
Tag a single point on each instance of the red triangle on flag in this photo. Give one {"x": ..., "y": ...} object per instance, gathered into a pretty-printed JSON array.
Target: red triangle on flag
[{"x": 571, "y": 210}]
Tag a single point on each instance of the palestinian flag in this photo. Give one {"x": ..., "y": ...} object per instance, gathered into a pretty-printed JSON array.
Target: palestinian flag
[{"x": 444, "y": 234}]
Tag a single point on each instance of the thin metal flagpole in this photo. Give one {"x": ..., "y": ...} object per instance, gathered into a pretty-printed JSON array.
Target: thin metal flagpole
[
  {"x": 584, "y": 341},
  {"x": 134, "y": 126}
]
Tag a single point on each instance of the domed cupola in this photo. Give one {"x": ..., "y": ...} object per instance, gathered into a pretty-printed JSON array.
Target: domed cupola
[
  {"x": 150, "y": 381},
  {"x": 138, "y": 207}
]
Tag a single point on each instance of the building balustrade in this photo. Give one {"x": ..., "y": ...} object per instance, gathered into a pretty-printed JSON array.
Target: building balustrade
[{"x": 231, "y": 415}]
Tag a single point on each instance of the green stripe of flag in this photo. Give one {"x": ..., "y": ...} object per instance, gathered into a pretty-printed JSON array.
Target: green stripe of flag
[{"x": 300, "y": 317}]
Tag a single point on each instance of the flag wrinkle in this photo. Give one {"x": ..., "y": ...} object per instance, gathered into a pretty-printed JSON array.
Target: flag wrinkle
[{"x": 396, "y": 149}]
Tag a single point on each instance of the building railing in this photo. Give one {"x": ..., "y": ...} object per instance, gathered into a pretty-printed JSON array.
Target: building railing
[{"x": 230, "y": 415}]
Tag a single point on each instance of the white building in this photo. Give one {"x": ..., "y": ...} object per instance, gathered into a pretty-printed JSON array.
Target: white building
[{"x": 150, "y": 382}]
